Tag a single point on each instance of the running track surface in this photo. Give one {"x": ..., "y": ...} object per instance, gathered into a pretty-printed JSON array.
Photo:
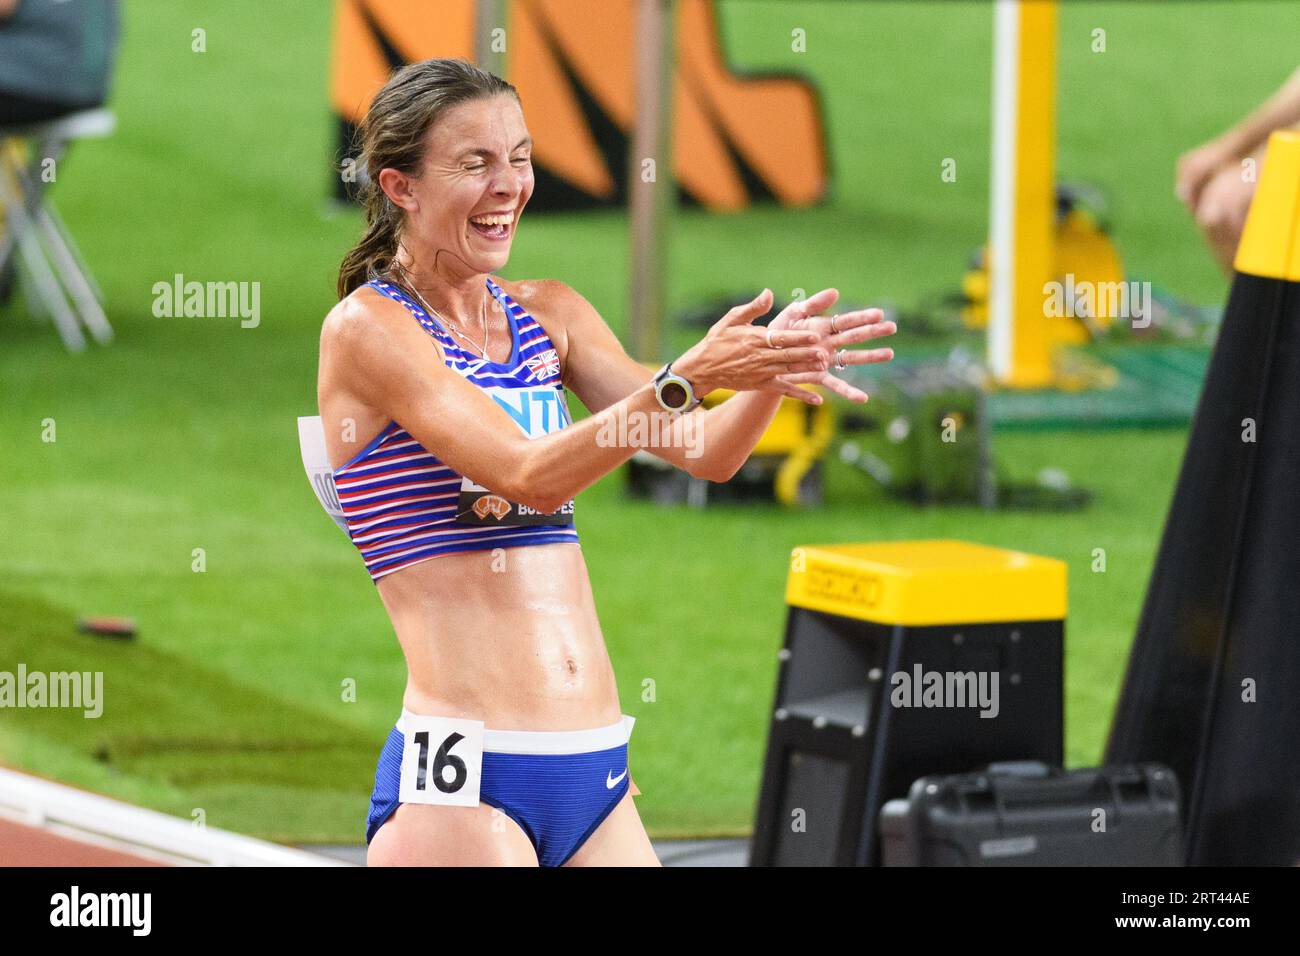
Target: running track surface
[{"x": 30, "y": 846}]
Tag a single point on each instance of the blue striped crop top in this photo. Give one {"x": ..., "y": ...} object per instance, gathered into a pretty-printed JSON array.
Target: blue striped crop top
[{"x": 404, "y": 506}]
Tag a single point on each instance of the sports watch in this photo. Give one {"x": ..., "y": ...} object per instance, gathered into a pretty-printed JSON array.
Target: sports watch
[{"x": 674, "y": 392}]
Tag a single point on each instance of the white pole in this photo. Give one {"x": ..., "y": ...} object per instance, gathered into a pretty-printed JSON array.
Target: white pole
[
  {"x": 489, "y": 16},
  {"x": 650, "y": 202},
  {"x": 1002, "y": 188}
]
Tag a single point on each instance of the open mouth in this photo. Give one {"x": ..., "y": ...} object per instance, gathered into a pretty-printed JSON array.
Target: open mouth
[{"x": 494, "y": 226}]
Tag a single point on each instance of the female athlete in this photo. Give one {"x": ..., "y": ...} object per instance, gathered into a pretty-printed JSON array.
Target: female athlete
[{"x": 511, "y": 748}]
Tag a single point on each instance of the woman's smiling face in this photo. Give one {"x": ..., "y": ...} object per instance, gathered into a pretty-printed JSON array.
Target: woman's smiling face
[{"x": 473, "y": 183}]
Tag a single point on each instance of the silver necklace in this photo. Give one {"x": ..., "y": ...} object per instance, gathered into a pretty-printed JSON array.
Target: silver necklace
[{"x": 482, "y": 349}]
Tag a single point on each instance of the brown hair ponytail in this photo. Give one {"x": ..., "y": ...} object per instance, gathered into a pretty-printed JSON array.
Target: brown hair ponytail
[{"x": 392, "y": 136}]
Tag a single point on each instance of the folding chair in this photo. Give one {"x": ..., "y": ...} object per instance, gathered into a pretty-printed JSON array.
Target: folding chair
[{"x": 59, "y": 280}]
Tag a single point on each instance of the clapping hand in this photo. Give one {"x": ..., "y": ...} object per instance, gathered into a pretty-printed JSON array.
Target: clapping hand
[{"x": 835, "y": 334}]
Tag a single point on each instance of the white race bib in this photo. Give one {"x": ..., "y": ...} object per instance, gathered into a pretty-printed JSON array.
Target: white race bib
[
  {"x": 442, "y": 760},
  {"x": 311, "y": 441}
]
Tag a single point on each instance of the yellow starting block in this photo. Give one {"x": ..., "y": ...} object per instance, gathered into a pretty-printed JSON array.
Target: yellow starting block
[
  {"x": 926, "y": 583},
  {"x": 902, "y": 660}
]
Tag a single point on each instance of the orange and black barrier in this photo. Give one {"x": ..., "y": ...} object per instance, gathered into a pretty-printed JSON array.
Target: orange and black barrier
[{"x": 736, "y": 139}]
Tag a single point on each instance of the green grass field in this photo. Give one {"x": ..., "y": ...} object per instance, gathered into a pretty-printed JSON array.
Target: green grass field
[{"x": 182, "y": 434}]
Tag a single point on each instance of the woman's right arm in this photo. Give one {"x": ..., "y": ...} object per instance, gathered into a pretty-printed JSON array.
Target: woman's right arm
[{"x": 375, "y": 352}]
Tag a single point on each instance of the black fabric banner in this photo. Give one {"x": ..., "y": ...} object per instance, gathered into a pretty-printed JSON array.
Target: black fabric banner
[{"x": 1213, "y": 682}]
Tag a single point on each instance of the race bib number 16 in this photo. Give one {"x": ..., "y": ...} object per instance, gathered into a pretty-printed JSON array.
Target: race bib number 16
[{"x": 442, "y": 761}]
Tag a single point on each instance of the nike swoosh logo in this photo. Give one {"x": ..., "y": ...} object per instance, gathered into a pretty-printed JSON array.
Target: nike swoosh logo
[{"x": 612, "y": 781}]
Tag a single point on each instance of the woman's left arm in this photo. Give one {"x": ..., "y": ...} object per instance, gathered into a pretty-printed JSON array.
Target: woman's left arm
[{"x": 598, "y": 370}]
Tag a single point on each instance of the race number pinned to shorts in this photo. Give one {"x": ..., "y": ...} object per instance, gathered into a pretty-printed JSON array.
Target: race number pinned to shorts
[{"x": 442, "y": 760}]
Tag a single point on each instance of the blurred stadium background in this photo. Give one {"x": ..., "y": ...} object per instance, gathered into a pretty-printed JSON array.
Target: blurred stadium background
[{"x": 181, "y": 434}]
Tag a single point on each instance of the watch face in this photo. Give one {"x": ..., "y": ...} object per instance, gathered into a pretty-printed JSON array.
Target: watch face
[{"x": 673, "y": 395}]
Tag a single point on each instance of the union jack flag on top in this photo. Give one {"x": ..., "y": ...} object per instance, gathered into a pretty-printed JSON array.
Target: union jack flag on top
[{"x": 544, "y": 365}]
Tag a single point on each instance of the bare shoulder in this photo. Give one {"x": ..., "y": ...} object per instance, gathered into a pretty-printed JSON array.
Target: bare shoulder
[
  {"x": 360, "y": 310},
  {"x": 551, "y": 301},
  {"x": 365, "y": 321}
]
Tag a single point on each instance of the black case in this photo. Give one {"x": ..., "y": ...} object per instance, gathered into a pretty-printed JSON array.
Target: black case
[{"x": 1030, "y": 814}]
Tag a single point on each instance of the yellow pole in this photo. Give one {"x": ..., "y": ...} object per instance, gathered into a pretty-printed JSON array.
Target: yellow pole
[
  {"x": 1270, "y": 241},
  {"x": 1023, "y": 194}
]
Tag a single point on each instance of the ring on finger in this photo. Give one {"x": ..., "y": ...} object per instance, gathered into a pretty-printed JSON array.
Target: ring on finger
[
  {"x": 834, "y": 330},
  {"x": 770, "y": 344},
  {"x": 840, "y": 364}
]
